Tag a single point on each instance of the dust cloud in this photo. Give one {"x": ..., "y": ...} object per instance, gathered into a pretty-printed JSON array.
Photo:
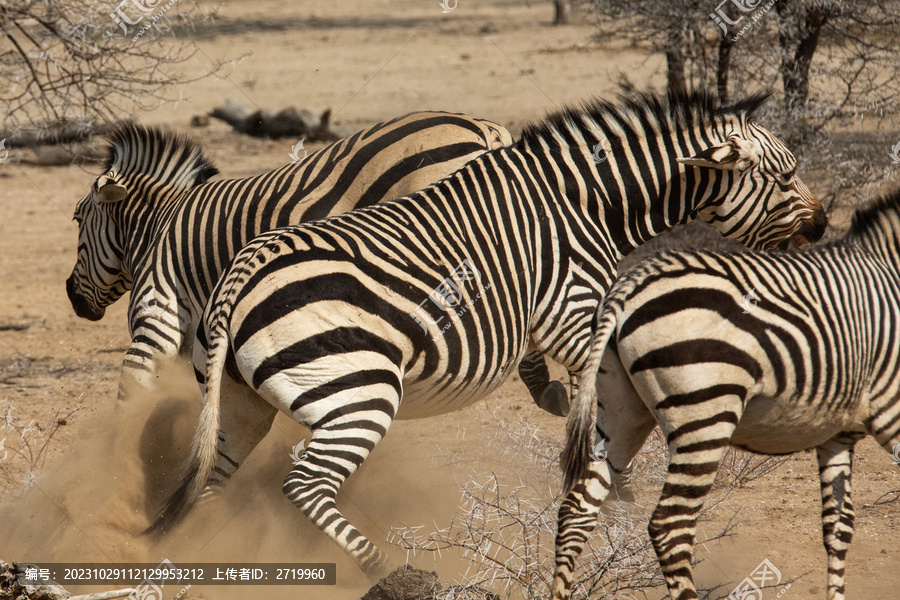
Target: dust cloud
[{"x": 91, "y": 502}]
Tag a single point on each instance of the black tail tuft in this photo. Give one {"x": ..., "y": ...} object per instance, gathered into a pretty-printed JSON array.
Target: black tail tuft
[
  {"x": 177, "y": 506},
  {"x": 576, "y": 455}
]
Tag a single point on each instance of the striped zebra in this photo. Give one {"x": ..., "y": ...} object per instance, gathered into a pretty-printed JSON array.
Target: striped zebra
[
  {"x": 154, "y": 224},
  {"x": 425, "y": 304},
  {"x": 771, "y": 353}
]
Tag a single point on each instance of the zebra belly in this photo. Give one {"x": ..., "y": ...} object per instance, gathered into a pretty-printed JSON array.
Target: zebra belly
[
  {"x": 782, "y": 425},
  {"x": 431, "y": 397}
]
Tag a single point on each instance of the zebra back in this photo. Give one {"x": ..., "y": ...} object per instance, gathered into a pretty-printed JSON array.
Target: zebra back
[{"x": 151, "y": 220}]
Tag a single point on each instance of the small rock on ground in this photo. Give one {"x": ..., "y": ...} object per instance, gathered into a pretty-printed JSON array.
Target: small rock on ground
[
  {"x": 407, "y": 583},
  {"x": 12, "y": 589}
]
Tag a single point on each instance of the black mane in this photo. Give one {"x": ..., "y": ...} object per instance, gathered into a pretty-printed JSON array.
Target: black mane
[
  {"x": 867, "y": 219},
  {"x": 137, "y": 149},
  {"x": 694, "y": 107}
]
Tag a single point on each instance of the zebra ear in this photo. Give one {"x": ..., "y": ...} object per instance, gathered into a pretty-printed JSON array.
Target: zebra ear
[
  {"x": 737, "y": 154},
  {"x": 108, "y": 191}
]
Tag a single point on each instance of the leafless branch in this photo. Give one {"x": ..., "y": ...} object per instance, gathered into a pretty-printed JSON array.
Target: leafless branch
[{"x": 68, "y": 63}]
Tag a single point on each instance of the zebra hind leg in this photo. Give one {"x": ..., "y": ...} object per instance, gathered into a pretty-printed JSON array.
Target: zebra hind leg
[
  {"x": 245, "y": 419},
  {"x": 577, "y": 519},
  {"x": 312, "y": 486},
  {"x": 341, "y": 441},
  {"x": 550, "y": 396},
  {"x": 835, "y": 467},
  {"x": 696, "y": 448},
  {"x": 623, "y": 423}
]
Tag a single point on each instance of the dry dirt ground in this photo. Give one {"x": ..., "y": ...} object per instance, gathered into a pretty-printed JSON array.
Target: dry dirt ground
[{"x": 368, "y": 61}]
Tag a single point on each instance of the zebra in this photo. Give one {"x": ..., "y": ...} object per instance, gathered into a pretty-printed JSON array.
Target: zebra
[
  {"x": 425, "y": 304},
  {"x": 769, "y": 352},
  {"x": 154, "y": 224}
]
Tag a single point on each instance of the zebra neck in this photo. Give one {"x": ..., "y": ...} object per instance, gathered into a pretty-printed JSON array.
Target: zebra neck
[
  {"x": 615, "y": 213},
  {"x": 143, "y": 216}
]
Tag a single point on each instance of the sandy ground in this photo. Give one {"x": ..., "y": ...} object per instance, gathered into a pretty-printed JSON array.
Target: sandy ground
[{"x": 368, "y": 62}]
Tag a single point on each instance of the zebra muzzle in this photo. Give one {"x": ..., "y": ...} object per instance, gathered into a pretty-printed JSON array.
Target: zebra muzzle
[
  {"x": 810, "y": 232},
  {"x": 80, "y": 305}
]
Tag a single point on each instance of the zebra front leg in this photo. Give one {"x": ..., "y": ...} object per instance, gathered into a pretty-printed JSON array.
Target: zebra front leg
[
  {"x": 138, "y": 379},
  {"x": 548, "y": 395},
  {"x": 148, "y": 407},
  {"x": 139, "y": 452},
  {"x": 157, "y": 335},
  {"x": 835, "y": 465}
]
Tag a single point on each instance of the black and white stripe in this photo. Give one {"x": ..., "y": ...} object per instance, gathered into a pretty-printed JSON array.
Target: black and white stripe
[
  {"x": 769, "y": 352},
  {"x": 425, "y": 304},
  {"x": 154, "y": 224}
]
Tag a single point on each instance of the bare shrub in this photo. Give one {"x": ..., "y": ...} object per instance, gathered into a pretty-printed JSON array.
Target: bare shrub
[
  {"x": 740, "y": 468},
  {"x": 522, "y": 442},
  {"x": 500, "y": 531},
  {"x": 23, "y": 447},
  {"x": 650, "y": 465},
  {"x": 506, "y": 533}
]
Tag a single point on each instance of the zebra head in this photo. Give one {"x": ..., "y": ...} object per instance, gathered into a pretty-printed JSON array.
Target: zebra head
[
  {"x": 765, "y": 205},
  {"x": 99, "y": 277},
  {"x": 146, "y": 168}
]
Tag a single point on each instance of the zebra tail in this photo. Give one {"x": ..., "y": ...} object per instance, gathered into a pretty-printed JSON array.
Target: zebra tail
[
  {"x": 199, "y": 466},
  {"x": 576, "y": 455}
]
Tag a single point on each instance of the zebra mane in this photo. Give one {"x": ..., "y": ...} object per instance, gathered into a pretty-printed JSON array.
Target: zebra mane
[
  {"x": 685, "y": 109},
  {"x": 877, "y": 218},
  {"x": 168, "y": 157}
]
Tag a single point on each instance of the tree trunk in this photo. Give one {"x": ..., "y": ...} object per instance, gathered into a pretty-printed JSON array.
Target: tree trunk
[
  {"x": 675, "y": 81},
  {"x": 723, "y": 66},
  {"x": 798, "y": 43},
  {"x": 563, "y": 8}
]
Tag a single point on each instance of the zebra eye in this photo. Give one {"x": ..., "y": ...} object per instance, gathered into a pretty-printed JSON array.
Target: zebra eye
[{"x": 790, "y": 174}]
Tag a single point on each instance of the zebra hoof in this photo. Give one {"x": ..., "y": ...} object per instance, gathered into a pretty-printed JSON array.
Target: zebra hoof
[
  {"x": 376, "y": 566},
  {"x": 554, "y": 399}
]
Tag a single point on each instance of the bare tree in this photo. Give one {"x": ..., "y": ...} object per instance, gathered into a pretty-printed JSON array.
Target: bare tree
[
  {"x": 799, "y": 29},
  {"x": 76, "y": 63},
  {"x": 674, "y": 49},
  {"x": 708, "y": 44},
  {"x": 838, "y": 58},
  {"x": 677, "y": 29},
  {"x": 562, "y": 10},
  {"x": 832, "y": 63},
  {"x": 723, "y": 65},
  {"x": 837, "y": 65}
]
